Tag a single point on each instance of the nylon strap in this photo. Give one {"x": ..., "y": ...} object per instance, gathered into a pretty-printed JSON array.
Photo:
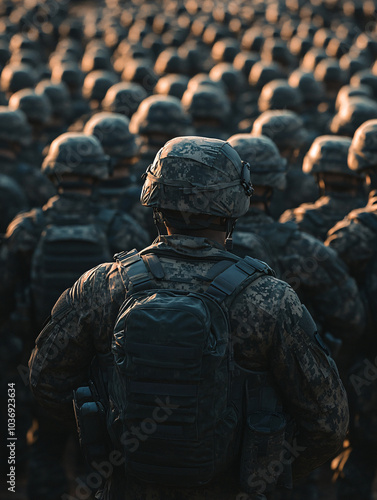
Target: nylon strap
[{"x": 229, "y": 280}]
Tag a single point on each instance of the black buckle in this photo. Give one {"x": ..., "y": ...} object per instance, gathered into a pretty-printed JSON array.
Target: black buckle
[{"x": 245, "y": 179}]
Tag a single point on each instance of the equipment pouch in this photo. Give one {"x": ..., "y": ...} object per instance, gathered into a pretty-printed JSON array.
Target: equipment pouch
[
  {"x": 262, "y": 460},
  {"x": 91, "y": 424}
]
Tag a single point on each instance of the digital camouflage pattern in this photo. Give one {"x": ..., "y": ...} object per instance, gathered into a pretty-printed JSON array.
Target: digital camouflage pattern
[
  {"x": 268, "y": 335},
  {"x": 328, "y": 154},
  {"x": 314, "y": 272},
  {"x": 198, "y": 175},
  {"x": 319, "y": 217}
]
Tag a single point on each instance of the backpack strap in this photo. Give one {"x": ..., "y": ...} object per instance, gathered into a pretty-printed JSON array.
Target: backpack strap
[
  {"x": 229, "y": 280},
  {"x": 137, "y": 268}
]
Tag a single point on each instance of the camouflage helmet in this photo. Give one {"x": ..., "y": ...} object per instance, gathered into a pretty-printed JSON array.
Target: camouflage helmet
[
  {"x": 170, "y": 62},
  {"x": 278, "y": 94},
  {"x": 112, "y": 131},
  {"x": 140, "y": 71},
  {"x": 233, "y": 79},
  {"x": 244, "y": 61},
  {"x": 311, "y": 90},
  {"x": 97, "y": 83},
  {"x": 68, "y": 73},
  {"x": 285, "y": 128},
  {"x": 328, "y": 154},
  {"x": 14, "y": 127},
  {"x": 207, "y": 103},
  {"x": 124, "y": 98},
  {"x": 36, "y": 107},
  {"x": 262, "y": 73},
  {"x": 78, "y": 154},
  {"x": 267, "y": 167},
  {"x": 200, "y": 176},
  {"x": 225, "y": 50},
  {"x": 348, "y": 91},
  {"x": 312, "y": 58},
  {"x": 161, "y": 114},
  {"x": 174, "y": 85},
  {"x": 58, "y": 95},
  {"x": 352, "y": 113},
  {"x": 17, "y": 77},
  {"x": 362, "y": 154},
  {"x": 365, "y": 77}
]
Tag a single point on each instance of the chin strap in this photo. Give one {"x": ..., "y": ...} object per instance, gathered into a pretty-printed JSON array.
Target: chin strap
[{"x": 230, "y": 225}]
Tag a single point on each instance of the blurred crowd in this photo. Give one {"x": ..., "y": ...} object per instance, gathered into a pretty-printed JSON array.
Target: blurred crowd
[{"x": 90, "y": 91}]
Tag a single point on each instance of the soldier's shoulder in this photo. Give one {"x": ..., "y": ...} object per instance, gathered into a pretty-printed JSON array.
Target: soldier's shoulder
[
  {"x": 25, "y": 222},
  {"x": 272, "y": 296}
]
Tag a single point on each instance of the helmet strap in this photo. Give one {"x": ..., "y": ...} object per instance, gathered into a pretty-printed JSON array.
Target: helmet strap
[{"x": 230, "y": 225}]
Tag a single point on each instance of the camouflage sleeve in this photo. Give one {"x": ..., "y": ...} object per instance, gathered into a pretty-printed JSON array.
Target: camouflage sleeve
[
  {"x": 324, "y": 285},
  {"x": 354, "y": 242},
  {"x": 311, "y": 386},
  {"x": 78, "y": 327},
  {"x": 125, "y": 234},
  {"x": 282, "y": 338}
]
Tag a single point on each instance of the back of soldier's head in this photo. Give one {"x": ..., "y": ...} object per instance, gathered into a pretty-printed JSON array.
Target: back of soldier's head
[
  {"x": 198, "y": 183},
  {"x": 160, "y": 115},
  {"x": 207, "y": 104},
  {"x": 267, "y": 167},
  {"x": 362, "y": 154},
  {"x": 36, "y": 107},
  {"x": 327, "y": 159},
  {"x": 112, "y": 131},
  {"x": 124, "y": 98},
  {"x": 75, "y": 155},
  {"x": 174, "y": 85},
  {"x": 285, "y": 128},
  {"x": 58, "y": 96},
  {"x": 278, "y": 94},
  {"x": 352, "y": 113}
]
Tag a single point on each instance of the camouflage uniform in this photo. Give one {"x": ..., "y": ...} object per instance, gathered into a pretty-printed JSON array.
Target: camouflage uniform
[
  {"x": 355, "y": 240},
  {"x": 47, "y": 479},
  {"x": 314, "y": 272},
  {"x": 267, "y": 321}
]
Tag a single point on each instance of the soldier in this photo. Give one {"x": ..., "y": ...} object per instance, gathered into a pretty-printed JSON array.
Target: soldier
[
  {"x": 37, "y": 110},
  {"x": 120, "y": 191},
  {"x": 158, "y": 119},
  {"x": 355, "y": 240},
  {"x": 341, "y": 188},
  {"x": 49, "y": 248},
  {"x": 287, "y": 131},
  {"x": 15, "y": 134},
  {"x": 210, "y": 109},
  {"x": 317, "y": 275},
  {"x": 197, "y": 188}
]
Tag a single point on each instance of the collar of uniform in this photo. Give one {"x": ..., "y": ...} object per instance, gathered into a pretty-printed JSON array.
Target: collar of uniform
[{"x": 188, "y": 245}]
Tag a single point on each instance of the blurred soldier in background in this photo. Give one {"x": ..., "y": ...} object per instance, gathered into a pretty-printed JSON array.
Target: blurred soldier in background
[{"x": 341, "y": 188}]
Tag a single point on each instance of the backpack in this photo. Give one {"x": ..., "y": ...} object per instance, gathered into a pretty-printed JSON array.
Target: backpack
[
  {"x": 175, "y": 393},
  {"x": 68, "y": 247}
]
